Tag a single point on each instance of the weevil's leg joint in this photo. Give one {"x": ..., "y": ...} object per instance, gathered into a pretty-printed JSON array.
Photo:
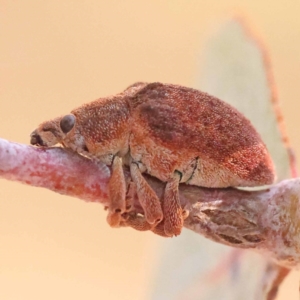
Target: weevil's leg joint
[{"x": 178, "y": 173}]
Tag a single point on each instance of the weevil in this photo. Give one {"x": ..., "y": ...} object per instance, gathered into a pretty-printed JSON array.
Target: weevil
[{"x": 174, "y": 133}]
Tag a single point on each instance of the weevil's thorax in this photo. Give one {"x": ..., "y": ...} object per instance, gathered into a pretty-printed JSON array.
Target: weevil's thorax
[{"x": 102, "y": 127}]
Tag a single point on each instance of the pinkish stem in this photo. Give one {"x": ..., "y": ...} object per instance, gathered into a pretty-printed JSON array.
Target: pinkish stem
[
  {"x": 56, "y": 169},
  {"x": 266, "y": 220}
]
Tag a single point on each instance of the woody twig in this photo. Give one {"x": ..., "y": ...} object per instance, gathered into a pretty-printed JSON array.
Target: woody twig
[{"x": 266, "y": 220}]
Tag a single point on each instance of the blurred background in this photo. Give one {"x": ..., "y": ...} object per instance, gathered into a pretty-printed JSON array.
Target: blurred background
[{"x": 56, "y": 55}]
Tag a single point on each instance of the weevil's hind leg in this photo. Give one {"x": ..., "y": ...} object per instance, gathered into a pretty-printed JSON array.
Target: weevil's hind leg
[
  {"x": 147, "y": 197},
  {"x": 173, "y": 213},
  {"x": 117, "y": 193}
]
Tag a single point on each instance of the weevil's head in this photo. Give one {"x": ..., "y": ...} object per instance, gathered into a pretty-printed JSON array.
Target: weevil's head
[
  {"x": 99, "y": 128},
  {"x": 53, "y": 132}
]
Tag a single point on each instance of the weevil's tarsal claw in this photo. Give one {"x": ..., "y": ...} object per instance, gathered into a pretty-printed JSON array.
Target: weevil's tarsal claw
[
  {"x": 173, "y": 214},
  {"x": 139, "y": 222},
  {"x": 136, "y": 221},
  {"x": 113, "y": 219},
  {"x": 147, "y": 197},
  {"x": 117, "y": 193},
  {"x": 159, "y": 229}
]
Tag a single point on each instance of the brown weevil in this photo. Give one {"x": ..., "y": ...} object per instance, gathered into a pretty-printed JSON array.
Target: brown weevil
[{"x": 174, "y": 133}]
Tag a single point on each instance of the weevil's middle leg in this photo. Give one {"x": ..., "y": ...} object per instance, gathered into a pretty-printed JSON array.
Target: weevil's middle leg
[
  {"x": 147, "y": 197},
  {"x": 130, "y": 195}
]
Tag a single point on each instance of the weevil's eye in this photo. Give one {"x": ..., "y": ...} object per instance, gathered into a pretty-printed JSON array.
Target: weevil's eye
[{"x": 67, "y": 123}]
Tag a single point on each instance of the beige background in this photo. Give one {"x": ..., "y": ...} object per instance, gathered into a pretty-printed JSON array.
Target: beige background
[{"x": 55, "y": 55}]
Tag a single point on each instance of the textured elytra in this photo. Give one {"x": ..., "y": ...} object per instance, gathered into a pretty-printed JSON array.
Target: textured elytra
[
  {"x": 164, "y": 130},
  {"x": 194, "y": 124}
]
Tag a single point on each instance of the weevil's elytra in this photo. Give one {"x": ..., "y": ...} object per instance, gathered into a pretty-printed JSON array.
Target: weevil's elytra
[{"x": 174, "y": 133}]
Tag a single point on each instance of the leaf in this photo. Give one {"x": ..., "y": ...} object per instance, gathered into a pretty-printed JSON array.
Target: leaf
[{"x": 236, "y": 69}]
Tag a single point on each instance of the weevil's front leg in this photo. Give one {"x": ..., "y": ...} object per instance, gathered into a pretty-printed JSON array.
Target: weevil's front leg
[
  {"x": 117, "y": 193},
  {"x": 147, "y": 197},
  {"x": 173, "y": 213}
]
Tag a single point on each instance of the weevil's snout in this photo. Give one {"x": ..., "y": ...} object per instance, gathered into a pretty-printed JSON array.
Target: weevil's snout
[
  {"x": 53, "y": 132},
  {"x": 36, "y": 140},
  {"x": 46, "y": 135},
  {"x": 42, "y": 138}
]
